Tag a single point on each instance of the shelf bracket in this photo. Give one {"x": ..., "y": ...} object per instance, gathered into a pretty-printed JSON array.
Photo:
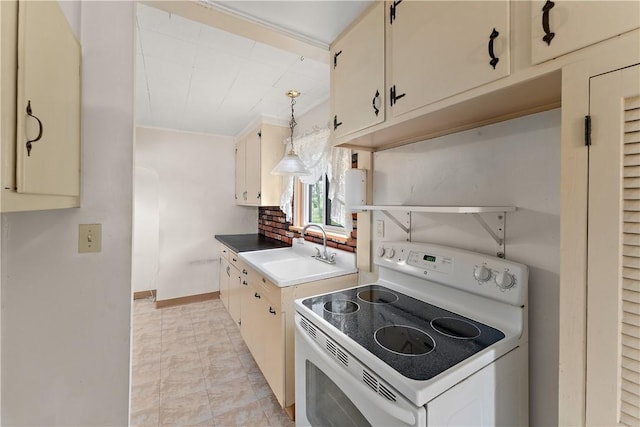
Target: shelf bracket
[
  {"x": 499, "y": 236},
  {"x": 406, "y": 227}
]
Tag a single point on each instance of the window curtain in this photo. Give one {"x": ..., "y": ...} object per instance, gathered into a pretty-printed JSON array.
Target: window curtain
[{"x": 315, "y": 151}]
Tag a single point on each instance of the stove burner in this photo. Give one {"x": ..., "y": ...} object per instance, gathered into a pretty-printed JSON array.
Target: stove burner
[
  {"x": 341, "y": 306},
  {"x": 377, "y": 296},
  {"x": 404, "y": 340},
  {"x": 455, "y": 328}
]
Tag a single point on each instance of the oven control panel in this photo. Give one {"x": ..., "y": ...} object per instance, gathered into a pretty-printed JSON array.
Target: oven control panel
[
  {"x": 478, "y": 273},
  {"x": 430, "y": 261}
]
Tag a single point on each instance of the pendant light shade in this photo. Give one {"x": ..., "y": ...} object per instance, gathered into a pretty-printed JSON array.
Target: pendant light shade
[{"x": 291, "y": 163}]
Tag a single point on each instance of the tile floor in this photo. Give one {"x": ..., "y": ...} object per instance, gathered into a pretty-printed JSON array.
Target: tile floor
[{"x": 192, "y": 368}]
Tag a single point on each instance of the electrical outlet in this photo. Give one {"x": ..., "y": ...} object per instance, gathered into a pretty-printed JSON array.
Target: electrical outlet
[
  {"x": 89, "y": 238},
  {"x": 380, "y": 228}
]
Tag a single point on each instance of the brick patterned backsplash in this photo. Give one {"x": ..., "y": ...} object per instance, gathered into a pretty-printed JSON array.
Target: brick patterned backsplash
[{"x": 272, "y": 223}]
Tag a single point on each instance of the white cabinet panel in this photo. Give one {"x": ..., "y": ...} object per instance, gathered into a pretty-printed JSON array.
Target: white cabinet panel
[
  {"x": 562, "y": 26},
  {"x": 357, "y": 75},
  {"x": 441, "y": 48},
  {"x": 48, "y": 83}
]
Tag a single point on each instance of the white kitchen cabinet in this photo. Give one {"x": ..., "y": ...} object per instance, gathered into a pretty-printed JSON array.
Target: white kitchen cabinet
[
  {"x": 225, "y": 277},
  {"x": 442, "y": 48},
  {"x": 230, "y": 283},
  {"x": 562, "y": 26},
  {"x": 40, "y": 93},
  {"x": 357, "y": 74},
  {"x": 257, "y": 153},
  {"x": 267, "y": 326}
]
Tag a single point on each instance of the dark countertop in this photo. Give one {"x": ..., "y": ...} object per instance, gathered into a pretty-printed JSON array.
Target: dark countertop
[{"x": 249, "y": 242}]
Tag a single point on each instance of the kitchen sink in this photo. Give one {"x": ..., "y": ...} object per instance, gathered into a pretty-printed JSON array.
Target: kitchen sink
[{"x": 295, "y": 265}]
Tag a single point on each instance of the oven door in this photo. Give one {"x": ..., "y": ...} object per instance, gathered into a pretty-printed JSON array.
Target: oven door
[{"x": 335, "y": 389}]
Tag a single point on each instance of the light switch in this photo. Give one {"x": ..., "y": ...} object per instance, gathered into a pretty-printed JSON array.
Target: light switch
[
  {"x": 89, "y": 238},
  {"x": 379, "y": 228}
]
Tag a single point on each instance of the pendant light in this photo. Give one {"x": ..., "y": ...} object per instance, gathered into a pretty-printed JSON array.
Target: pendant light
[{"x": 291, "y": 163}]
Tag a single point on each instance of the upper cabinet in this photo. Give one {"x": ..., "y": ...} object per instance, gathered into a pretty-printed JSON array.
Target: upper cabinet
[
  {"x": 562, "y": 26},
  {"x": 257, "y": 153},
  {"x": 41, "y": 113},
  {"x": 441, "y": 48},
  {"x": 357, "y": 74}
]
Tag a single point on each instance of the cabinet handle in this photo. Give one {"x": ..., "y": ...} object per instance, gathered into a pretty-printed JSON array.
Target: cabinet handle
[
  {"x": 393, "y": 96},
  {"x": 335, "y": 122},
  {"x": 229, "y": 271},
  {"x": 494, "y": 60},
  {"x": 257, "y": 295},
  {"x": 234, "y": 260},
  {"x": 272, "y": 311},
  {"x": 244, "y": 282},
  {"x": 40, "y": 129},
  {"x": 259, "y": 195},
  {"x": 264, "y": 280},
  {"x": 244, "y": 271},
  {"x": 548, "y": 35},
  {"x": 335, "y": 58},
  {"x": 376, "y": 97}
]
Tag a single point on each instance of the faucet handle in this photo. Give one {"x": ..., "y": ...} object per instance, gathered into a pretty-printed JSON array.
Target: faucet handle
[
  {"x": 332, "y": 257},
  {"x": 318, "y": 255}
]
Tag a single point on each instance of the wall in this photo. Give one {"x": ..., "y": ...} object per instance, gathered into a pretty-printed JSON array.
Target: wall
[
  {"x": 196, "y": 201},
  {"x": 66, "y": 316},
  {"x": 146, "y": 229},
  {"x": 515, "y": 163}
]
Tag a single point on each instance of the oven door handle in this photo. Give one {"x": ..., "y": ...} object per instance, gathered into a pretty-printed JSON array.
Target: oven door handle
[{"x": 398, "y": 413}]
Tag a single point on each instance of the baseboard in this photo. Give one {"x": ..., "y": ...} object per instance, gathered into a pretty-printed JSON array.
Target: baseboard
[
  {"x": 187, "y": 300},
  {"x": 144, "y": 294}
]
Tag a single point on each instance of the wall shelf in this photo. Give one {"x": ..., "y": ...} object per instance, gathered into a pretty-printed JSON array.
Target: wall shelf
[{"x": 405, "y": 225}]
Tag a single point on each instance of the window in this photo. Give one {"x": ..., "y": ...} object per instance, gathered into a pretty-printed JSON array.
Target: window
[{"x": 317, "y": 206}]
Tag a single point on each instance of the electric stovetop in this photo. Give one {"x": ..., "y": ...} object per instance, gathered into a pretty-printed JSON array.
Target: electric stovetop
[{"x": 417, "y": 339}]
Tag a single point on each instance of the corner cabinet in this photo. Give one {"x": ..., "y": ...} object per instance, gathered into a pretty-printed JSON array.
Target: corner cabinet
[
  {"x": 357, "y": 74},
  {"x": 442, "y": 48},
  {"x": 562, "y": 26},
  {"x": 257, "y": 153},
  {"x": 41, "y": 121}
]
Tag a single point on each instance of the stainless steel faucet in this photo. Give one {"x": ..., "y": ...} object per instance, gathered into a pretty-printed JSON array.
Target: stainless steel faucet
[{"x": 324, "y": 256}]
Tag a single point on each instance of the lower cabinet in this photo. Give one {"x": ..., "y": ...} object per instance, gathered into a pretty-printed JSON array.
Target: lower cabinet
[
  {"x": 230, "y": 283},
  {"x": 267, "y": 324}
]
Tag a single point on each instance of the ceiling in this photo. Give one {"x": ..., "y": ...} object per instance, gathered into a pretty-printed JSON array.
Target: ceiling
[{"x": 194, "y": 77}]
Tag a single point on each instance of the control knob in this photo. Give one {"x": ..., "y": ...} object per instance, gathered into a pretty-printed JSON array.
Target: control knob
[
  {"x": 505, "y": 280},
  {"x": 482, "y": 273},
  {"x": 390, "y": 253},
  {"x": 380, "y": 252}
]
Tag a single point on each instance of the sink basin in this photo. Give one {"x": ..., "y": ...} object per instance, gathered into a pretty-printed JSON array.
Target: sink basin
[{"x": 295, "y": 265}]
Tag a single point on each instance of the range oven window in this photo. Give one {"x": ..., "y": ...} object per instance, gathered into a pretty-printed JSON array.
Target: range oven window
[{"x": 326, "y": 404}]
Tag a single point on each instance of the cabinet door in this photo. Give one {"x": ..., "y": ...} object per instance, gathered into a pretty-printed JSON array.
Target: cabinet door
[
  {"x": 235, "y": 294},
  {"x": 250, "y": 325},
  {"x": 357, "y": 75},
  {"x": 272, "y": 366},
  {"x": 253, "y": 168},
  {"x": 48, "y": 104},
  {"x": 441, "y": 48},
  {"x": 563, "y": 26},
  {"x": 241, "y": 186},
  {"x": 225, "y": 277},
  {"x": 613, "y": 258}
]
